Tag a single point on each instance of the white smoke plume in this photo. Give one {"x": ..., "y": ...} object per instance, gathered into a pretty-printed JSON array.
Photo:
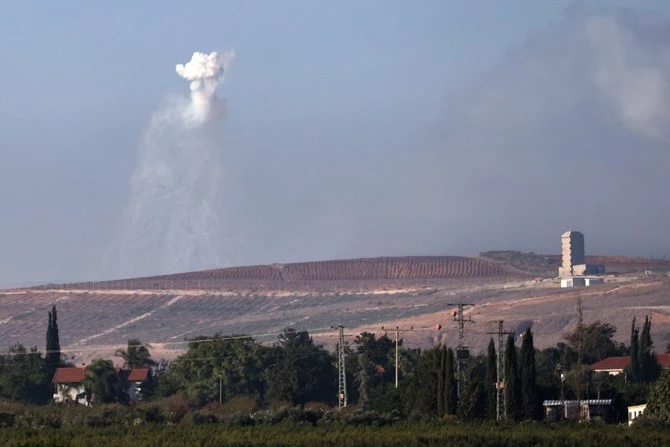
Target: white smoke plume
[
  {"x": 205, "y": 71},
  {"x": 174, "y": 220}
]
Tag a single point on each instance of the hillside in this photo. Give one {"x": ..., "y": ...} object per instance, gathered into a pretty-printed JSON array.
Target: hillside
[
  {"x": 320, "y": 275},
  {"x": 95, "y": 318}
]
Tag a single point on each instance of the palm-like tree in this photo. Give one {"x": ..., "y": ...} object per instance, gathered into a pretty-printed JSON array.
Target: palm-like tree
[
  {"x": 103, "y": 384},
  {"x": 137, "y": 355}
]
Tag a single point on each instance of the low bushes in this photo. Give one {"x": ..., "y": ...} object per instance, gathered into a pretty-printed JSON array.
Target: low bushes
[{"x": 174, "y": 422}]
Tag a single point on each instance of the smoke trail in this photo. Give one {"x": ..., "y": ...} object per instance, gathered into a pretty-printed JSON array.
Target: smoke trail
[{"x": 174, "y": 220}]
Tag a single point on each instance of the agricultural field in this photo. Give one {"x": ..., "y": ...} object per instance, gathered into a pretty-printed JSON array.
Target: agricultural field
[
  {"x": 171, "y": 422},
  {"x": 206, "y": 432}
]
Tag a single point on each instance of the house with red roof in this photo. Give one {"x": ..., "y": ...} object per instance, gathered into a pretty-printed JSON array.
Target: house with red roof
[
  {"x": 616, "y": 365},
  {"x": 69, "y": 387}
]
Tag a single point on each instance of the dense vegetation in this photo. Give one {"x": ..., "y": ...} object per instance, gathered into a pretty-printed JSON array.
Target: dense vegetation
[
  {"x": 357, "y": 430},
  {"x": 285, "y": 394}
]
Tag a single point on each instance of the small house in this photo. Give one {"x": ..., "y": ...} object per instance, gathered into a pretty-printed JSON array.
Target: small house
[
  {"x": 69, "y": 387},
  {"x": 616, "y": 365}
]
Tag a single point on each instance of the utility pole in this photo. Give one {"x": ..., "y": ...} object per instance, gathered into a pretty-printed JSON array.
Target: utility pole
[
  {"x": 500, "y": 373},
  {"x": 396, "y": 357},
  {"x": 397, "y": 331},
  {"x": 341, "y": 370},
  {"x": 462, "y": 352},
  {"x": 580, "y": 355}
]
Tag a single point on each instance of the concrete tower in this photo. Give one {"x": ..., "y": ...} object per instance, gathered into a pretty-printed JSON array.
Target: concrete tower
[{"x": 572, "y": 247}]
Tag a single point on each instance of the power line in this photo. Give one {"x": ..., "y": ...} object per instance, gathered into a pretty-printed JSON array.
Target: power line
[
  {"x": 500, "y": 373},
  {"x": 341, "y": 369},
  {"x": 462, "y": 352}
]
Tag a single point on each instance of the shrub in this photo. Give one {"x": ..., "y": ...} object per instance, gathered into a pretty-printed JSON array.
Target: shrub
[{"x": 240, "y": 404}]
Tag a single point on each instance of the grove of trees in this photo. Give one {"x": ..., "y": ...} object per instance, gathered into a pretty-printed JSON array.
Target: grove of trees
[{"x": 294, "y": 371}]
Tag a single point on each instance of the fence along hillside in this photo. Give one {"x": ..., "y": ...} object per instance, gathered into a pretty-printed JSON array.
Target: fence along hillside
[{"x": 408, "y": 268}]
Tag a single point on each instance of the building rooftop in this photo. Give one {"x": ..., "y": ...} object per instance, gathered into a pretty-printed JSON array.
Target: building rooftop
[
  {"x": 76, "y": 374},
  {"x": 69, "y": 375},
  {"x": 560, "y": 403},
  {"x": 620, "y": 363}
]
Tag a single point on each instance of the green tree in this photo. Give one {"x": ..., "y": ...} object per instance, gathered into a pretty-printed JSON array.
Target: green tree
[
  {"x": 136, "y": 355},
  {"x": 441, "y": 381},
  {"x": 375, "y": 363},
  {"x": 528, "y": 377},
  {"x": 643, "y": 366},
  {"x": 301, "y": 371},
  {"x": 649, "y": 367},
  {"x": 53, "y": 354},
  {"x": 658, "y": 405},
  {"x": 102, "y": 384},
  {"x": 491, "y": 381},
  {"x": 450, "y": 385},
  {"x": 233, "y": 365},
  {"x": 598, "y": 342},
  {"x": 512, "y": 381},
  {"x": 24, "y": 377},
  {"x": 472, "y": 404},
  {"x": 634, "y": 369},
  {"x": 422, "y": 390}
]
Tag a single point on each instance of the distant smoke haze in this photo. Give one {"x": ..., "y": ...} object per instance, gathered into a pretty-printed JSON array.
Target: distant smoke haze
[
  {"x": 569, "y": 131},
  {"x": 175, "y": 218}
]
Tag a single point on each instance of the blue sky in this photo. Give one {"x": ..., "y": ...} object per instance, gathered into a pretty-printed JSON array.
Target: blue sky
[{"x": 321, "y": 93}]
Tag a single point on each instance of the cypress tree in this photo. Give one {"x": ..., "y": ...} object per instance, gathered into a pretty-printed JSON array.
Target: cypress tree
[
  {"x": 634, "y": 368},
  {"x": 53, "y": 343},
  {"x": 491, "y": 381},
  {"x": 450, "y": 386},
  {"x": 49, "y": 336},
  {"x": 649, "y": 368},
  {"x": 471, "y": 405},
  {"x": 48, "y": 348},
  {"x": 441, "y": 381},
  {"x": 528, "y": 377},
  {"x": 512, "y": 382},
  {"x": 423, "y": 386}
]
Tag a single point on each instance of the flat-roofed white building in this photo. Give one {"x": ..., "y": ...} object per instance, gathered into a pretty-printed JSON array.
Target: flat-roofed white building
[{"x": 635, "y": 411}]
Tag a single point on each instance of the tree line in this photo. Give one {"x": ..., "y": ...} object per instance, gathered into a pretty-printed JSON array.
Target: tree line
[{"x": 296, "y": 371}]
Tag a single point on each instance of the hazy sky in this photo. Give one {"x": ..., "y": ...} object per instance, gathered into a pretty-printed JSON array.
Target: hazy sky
[{"x": 353, "y": 128}]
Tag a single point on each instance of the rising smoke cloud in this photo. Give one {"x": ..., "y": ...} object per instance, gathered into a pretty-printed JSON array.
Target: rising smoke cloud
[
  {"x": 205, "y": 71},
  {"x": 568, "y": 131},
  {"x": 175, "y": 220}
]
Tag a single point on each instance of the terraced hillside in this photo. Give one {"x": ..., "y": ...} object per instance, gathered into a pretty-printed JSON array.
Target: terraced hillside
[
  {"x": 408, "y": 267},
  {"x": 321, "y": 273},
  {"x": 96, "y": 318}
]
